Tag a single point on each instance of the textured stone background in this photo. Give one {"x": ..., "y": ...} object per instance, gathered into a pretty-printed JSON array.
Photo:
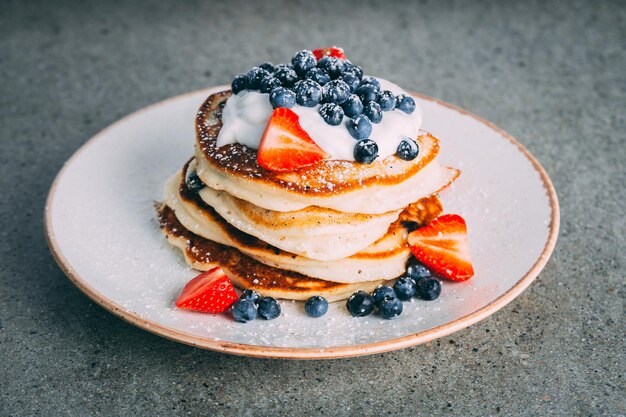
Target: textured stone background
[{"x": 553, "y": 74}]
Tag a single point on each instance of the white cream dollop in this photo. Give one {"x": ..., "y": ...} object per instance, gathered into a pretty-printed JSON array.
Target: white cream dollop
[{"x": 246, "y": 114}]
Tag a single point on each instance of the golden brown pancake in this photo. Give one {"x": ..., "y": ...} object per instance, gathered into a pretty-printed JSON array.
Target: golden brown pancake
[
  {"x": 246, "y": 273},
  {"x": 384, "y": 185}
]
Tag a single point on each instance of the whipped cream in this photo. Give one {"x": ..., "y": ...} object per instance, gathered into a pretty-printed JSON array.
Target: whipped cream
[{"x": 246, "y": 114}]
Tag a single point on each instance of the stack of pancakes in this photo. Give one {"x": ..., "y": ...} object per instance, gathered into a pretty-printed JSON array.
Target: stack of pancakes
[{"x": 328, "y": 229}]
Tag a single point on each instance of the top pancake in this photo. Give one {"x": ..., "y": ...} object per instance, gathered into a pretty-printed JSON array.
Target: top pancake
[{"x": 382, "y": 186}]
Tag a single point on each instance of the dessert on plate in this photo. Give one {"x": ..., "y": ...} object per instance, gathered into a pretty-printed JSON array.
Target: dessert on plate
[{"x": 310, "y": 179}]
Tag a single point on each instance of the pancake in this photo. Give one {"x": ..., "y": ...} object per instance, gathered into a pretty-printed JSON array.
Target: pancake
[
  {"x": 380, "y": 187},
  {"x": 384, "y": 259},
  {"x": 246, "y": 273},
  {"x": 313, "y": 232}
]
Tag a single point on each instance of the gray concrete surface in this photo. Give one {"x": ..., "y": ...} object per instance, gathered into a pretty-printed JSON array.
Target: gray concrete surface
[{"x": 550, "y": 73}]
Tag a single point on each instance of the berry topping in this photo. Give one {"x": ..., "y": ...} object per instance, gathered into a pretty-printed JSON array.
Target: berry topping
[
  {"x": 443, "y": 247},
  {"x": 350, "y": 79},
  {"x": 360, "y": 304},
  {"x": 354, "y": 69},
  {"x": 333, "y": 51},
  {"x": 373, "y": 112},
  {"x": 407, "y": 149},
  {"x": 269, "y": 83},
  {"x": 254, "y": 77},
  {"x": 303, "y": 61},
  {"x": 269, "y": 308},
  {"x": 359, "y": 127},
  {"x": 244, "y": 311},
  {"x": 318, "y": 75},
  {"x": 240, "y": 83},
  {"x": 333, "y": 66},
  {"x": 286, "y": 75},
  {"x": 371, "y": 81},
  {"x": 353, "y": 106},
  {"x": 267, "y": 66},
  {"x": 367, "y": 93},
  {"x": 428, "y": 288},
  {"x": 331, "y": 113},
  {"x": 209, "y": 292},
  {"x": 416, "y": 270},
  {"x": 193, "y": 182},
  {"x": 282, "y": 97},
  {"x": 404, "y": 287},
  {"x": 387, "y": 100},
  {"x": 390, "y": 307},
  {"x": 381, "y": 292},
  {"x": 336, "y": 92},
  {"x": 308, "y": 93},
  {"x": 250, "y": 295},
  {"x": 405, "y": 103},
  {"x": 316, "y": 306},
  {"x": 365, "y": 151},
  {"x": 285, "y": 146}
]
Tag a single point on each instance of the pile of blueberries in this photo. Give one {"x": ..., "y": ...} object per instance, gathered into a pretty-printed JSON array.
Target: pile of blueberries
[
  {"x": 251, "y": 305},
  {"x": 340, "y": 89},
  {"x": 417, "y": 282}
]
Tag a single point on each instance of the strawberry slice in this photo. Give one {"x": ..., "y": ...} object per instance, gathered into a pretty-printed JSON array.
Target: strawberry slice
[
  {"x": 285, "y": 146},
  {"x": 209, "y": 292},
  {"x": 332, "y": 51},
  {"x": 443, "y": 247}
]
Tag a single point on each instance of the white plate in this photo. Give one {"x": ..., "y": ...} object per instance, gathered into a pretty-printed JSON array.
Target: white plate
[{"x": 102, "y": 230}]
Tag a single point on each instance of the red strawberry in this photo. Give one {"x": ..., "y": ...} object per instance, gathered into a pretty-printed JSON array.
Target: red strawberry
[
  {"x": 285, "y": 146},
  {"x": 209, "y": 292},
  {"x": 332, "y": 51},
  {"x": 442, "y": 246}
]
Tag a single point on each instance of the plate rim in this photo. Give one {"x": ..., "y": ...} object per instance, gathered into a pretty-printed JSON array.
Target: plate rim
[{"x": 335, "y": 352}]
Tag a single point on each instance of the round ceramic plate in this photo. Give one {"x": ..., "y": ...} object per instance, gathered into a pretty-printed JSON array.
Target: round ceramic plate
[{"x": 101, "y": 227}]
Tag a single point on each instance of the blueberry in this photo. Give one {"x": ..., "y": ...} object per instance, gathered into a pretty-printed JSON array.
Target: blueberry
[
  {"x": 353, "y": 69},
  {"x": 254, "y": 77},
  {"x": 282, "y": 97},
  {"x": 240, "y": 83},
  {"x": 371, "y": 81},
  {"x": 416, "y": 270},
  {"x": 428, "y": 288},
  {"x": 269, "y": 83},
  {"x": 353, "y": 106},
  {"x": 267, "y": 66},
  {"x": 359, "y": 127},
  {"x": 331, "y": 113},
  {"x": 308, "y": 93},
  {"x": 333, "y": 66},
  {"x": 193, "y": 182},
  {"x": 279, "y": 67},
  {"x": 387, "y": 100},
  {"x": 287, "y": 76},
  {"x": 316, "y": 306},
  {"x": 381, "y": 292},
  {"x": 367, "y": 93},
  {"x": 405, "y": 103},
  {"x": 365, "y": 151},
  {"x": 373, "y": 112},
  {"x": 350, "y": 79},
  {"x": 250, "y": 295},
  {"x": 269, "y": 308},
  {"x": 244, "y": 310},
  {"x": 318, "y": 75},
  {"x": 360, "y": 304},
  {"x": 407, "y": 150},
  {"x": 303, "y": 61},
  {"x": 390, "y": 307},
  {"x": 404, "y": 287},
  {"x": 336, "y": 92}
]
